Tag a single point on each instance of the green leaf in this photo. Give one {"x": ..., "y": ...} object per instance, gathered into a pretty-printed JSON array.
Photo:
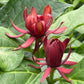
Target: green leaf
[
  {"x": 9, "y": 59},
  {"x": 14, "y": 10},
  {"x": 24, "y": 74},
  {"x": 80, "y": 29},
  {"x": 71, "y": 19},
  {"x": 76, "y": 76},
  {"x": 3, "y": 1}
]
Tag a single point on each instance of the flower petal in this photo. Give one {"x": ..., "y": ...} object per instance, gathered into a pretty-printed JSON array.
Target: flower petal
[
  {"x": 25, "y": 14},
  {"x": 14, "y": 36},
  {"x": 65, "y": 43},
  {"x": 39, "y": 29},
  {"x": 67, "y": 56},
  {"x": 47, "y": 10},
  {"x": 70, "y": 63},
  {"x": 46, "y": 73},
  {"x": 55, "y": 30},
  {"x": 64, "y": 70},
  {"x": 41, "y": 59},
  {"x": 27, "y": 43},
  {"x": 50, "y": 22},
  {"x": 34, "y": 14},
  {"x": 41, "y": 63},
  {"x": 17, "y": 28},
  {"x": 31, "y": 19},
  {"x": 65, "y": 77},
  {"x": 35, "y": 66},
  {"x": 62, "y": 29}
]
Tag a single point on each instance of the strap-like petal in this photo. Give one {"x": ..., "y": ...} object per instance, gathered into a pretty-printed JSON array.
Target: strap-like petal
[
  {"x": 27, "y": 43},
  {"x": 17, "y": 28},
  {"x": 41, "y": 59},
  {"x": 50, "y": 22},
  {"x": 67, "y": 56},
  {"x": 47, "y": 10},
  {"x": 64, "y": 70},
  {"x": 17, "y": 36},
  {"x": 62, "y": 29},
  {"x": 35, "y": 66},
  {"x": 65, "y": 43},
  {"x": 41, "y": 63},
  {"x": 46, "y": 73},
  {"x": 25, "y": 14},
  {"x": 58, "y": 30},
  {"x": 39, "y": 29},
  {"x": 64, "y": 76},
  {"x": 34, "y": 14},
  {"x": 70, "y": 63}
]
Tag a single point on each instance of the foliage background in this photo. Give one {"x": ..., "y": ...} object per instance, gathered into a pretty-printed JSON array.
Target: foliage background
[{"x": 13, "y": 68}]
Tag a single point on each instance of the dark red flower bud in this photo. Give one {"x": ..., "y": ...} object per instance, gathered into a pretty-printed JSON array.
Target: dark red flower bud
[{"x": 54, "y": 53}]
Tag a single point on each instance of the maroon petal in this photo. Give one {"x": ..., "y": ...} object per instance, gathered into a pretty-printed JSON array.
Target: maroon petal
[
  {"x": 65, "y": 43},
  {"x": 39, "y": 29},
  {"x": 55, "y": 30},
  {"x": 17, "y": 28},
  {"x": 14, "y": 36},
  {"x": 64, "y": 77},
  {"x": 64, "y": 70},
  {"x": 25, "y": 14},
  {"x": 47, "y": 10},
  {"x": 46, "y": 73},
  {"x": 27, "y": 43},
  {"x": 35, "y": 66},
  {"x": 41, "y": 59},
  {"x": 50, "y": 22},
  {"x": 70, "y": 63},
  {"x": 60, "y": 30},
  {"x": 34, "y": 14},
  {"x": 41, "y": 63},
  {"x": 67, "y": 56}
]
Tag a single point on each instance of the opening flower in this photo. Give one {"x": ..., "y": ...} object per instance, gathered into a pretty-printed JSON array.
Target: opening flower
[
  {"x": 54, "y": 50},
  {"x": 37, "y": 26}
]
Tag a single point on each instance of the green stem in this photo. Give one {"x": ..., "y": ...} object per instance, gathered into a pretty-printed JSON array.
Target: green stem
[
  {"x": 52, "y": 73},
  {"x": 57, "y": 79},
  {"x": 50, "y": 79}
]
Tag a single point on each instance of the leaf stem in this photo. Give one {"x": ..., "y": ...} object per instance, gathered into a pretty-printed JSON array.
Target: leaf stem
[{"x": 57, "y": 79}]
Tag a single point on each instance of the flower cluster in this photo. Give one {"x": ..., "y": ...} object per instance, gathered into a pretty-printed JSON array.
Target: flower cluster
[
  {"x": 54, "y": 50},
  {"x": 38, "y": 28}
]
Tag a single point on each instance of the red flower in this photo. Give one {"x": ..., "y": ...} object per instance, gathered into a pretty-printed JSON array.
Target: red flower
[
  {"x": 37, "y": 26},
  {"x": 54, "y": 50}
]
